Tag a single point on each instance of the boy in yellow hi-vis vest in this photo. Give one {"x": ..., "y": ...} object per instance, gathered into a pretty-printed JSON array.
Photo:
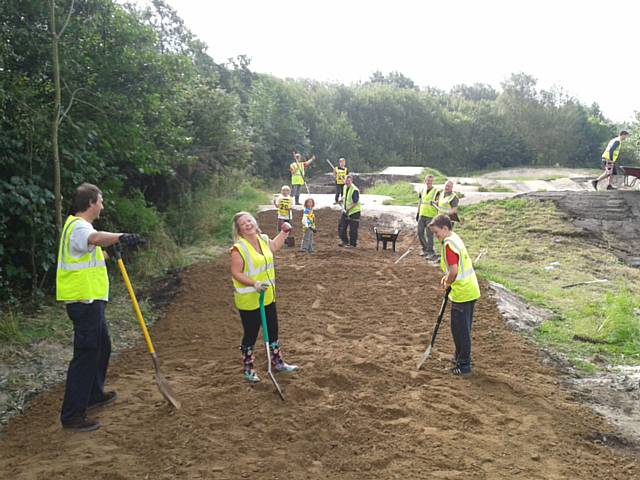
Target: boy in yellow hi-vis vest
[
  {"x": 460, "y": 276},
  {"x": 608, "y": 160},
  {"x": 284, "y": 204}
]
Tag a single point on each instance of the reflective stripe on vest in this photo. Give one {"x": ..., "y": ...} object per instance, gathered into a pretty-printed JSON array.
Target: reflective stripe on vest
[
  {"x": 284, "y": 207},
  {"x": 341, "y": 175},
  {"x": 347, "y": 195},
  {"x": 426, "y": 209},
  {"x": 605, "y": 154},
  {"x": 465, "y": 287},
  {"x": 297, "y": 177},
  {"x": 80, "y": 278},
  {"x": 260, "y": 268}
]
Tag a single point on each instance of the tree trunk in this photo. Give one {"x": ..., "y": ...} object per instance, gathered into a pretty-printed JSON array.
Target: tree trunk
[{"x": 55, "y": 117}]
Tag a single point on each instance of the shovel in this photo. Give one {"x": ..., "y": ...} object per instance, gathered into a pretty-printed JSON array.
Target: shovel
[
  {"x": 162, "y": 383},
  {"x": 265, "y": 336},
  {"x": 427, "y": 352}
]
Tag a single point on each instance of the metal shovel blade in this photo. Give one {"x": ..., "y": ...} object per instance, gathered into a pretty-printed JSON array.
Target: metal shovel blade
[
  {"x": 270, "y": 373},
  {"x": 163, "y": 385},
  {"x": 425, "y": 355}
]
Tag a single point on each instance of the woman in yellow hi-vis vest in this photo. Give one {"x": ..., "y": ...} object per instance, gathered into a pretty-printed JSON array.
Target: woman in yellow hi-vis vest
[
  {"x": 460, "y": 276},
  {"x": 608, "y": 160},
  {"x": 253, "y": 271},
  {"x": 83, "y": 284},
  {"x": 297, "y": 169}
]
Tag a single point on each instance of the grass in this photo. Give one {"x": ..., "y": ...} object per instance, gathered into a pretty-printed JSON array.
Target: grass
[
  {"x": 521, "y": 240},
  {"x": 438, "y": 176},
  {"x": 498, "y": 188},
  {"x": 402, "y": 193}
]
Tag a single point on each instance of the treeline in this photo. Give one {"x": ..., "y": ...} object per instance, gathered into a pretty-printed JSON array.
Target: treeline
[{"x": 149, "y": 116}]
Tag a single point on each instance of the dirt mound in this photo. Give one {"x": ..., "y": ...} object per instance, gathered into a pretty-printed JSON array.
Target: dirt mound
[{"x": 357, "y": 409}]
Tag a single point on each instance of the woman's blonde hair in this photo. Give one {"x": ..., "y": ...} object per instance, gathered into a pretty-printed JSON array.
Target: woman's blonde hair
[{"x": 235, "y": 233}]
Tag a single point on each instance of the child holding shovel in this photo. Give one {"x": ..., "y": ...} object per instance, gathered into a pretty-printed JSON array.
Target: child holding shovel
[
  {"x": 308, "y": 226},
  {"x": 460, "y": 276}
]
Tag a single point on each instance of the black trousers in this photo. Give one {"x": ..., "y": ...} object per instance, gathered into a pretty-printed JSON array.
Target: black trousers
[
  {"x": 339, "y": 189},
  {"x": 461, "y": 323},
  {"x": 352, "y": 222},
  {"x": 251, "y": 323},
  {"x": 91, "y": 351}
]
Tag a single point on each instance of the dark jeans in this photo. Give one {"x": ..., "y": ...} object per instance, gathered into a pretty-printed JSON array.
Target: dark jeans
[
  {"x": 91, "y": 352},
  {"x": 339, "y": 189},
  {"x": 352, "y": 222},
  {"x": 251, "y": 323},
  {"x": 425, "y": 240},
  {"x": 461, "y": 323},
  {"x": 295, "y": 191}
]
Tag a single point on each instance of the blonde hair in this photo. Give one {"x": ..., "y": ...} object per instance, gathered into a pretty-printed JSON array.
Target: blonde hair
[
  {"x": 285, "y": 187},
  {"x": 235, "y": 233}
]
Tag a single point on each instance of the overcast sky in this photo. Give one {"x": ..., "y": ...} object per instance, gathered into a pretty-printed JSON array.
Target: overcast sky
[{"x": 587, "y": 47}]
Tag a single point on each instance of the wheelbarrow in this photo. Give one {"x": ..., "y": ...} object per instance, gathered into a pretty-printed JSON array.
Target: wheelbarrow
[
  {"x": 631, "y": 175},
  {"x": 386, "y": 235}
]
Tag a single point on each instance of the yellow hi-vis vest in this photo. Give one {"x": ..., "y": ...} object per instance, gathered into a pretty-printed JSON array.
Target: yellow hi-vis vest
[
  {"x": 445, "y": 202},
  {"x": 347, "y": 195},
  {"x": 341, "y": 175},
  {"x": 465, "y": 287},
  {"x": 259, "y": 268},
  {"x": 284, "y": 207},
  {"x": 297, "y": 176},
  {"x": 426, "y": 209},
  {"x": 80, "y": 278},
  {"x": 606, "y": 155}
]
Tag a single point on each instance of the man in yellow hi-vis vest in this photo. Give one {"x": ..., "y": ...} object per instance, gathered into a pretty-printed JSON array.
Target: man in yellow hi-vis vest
[
  {"x": 350, "y": 218},
  {"x": 340, "y": 174},
  {"x": 608, "y": 160},
  {"x": 297, "y": 169},
  {"x": 460, "y": 276},
  {"x": 83, "y": 284},
  {"x": 426, "y": 213}
]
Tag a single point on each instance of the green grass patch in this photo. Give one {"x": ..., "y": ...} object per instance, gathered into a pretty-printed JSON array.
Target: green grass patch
[
  {"x": 438, "y": 176},
  {"x": 402, "y": 193},
  {"x": 498, "y": 188},
  {"x": 533, "y": 249}
]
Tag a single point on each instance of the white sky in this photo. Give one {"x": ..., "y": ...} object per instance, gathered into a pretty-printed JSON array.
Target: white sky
[{"x": 568, "y": 43}]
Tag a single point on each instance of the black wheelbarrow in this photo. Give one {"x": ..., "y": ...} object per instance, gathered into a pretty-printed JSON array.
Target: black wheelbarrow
[{"x": 386, "y": 235}]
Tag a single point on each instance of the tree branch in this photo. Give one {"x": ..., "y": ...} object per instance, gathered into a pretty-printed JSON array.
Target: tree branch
[{"x": 66, "y": 21}]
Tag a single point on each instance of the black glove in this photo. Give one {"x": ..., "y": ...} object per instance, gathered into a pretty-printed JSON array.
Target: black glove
[{"x": 130, "y": 240}]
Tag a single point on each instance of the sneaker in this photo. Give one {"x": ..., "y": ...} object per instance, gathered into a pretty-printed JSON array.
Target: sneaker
[
  {"x": 594, "y": 183},
  {"x": 342, "y": 244},
  {"x": 251, "y": 377},
  {"x": 81, "y": 424},
  {"x": 461, "y": 371},
  {"x": 609, "y": 187},
  {"x": 285, "y": 367},
  {"x": 107, "y": 398}
]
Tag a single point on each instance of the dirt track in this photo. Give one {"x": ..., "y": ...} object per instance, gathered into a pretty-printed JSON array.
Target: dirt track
[{"x": 357, "y": 409}]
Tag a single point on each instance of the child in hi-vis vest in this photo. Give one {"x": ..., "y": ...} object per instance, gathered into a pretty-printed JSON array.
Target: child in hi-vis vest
[
  {"x": 284, "y": 204},
  {"x": 308, "y": 226}
]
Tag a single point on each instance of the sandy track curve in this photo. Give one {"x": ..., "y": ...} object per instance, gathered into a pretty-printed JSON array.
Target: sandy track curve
[{"x": 357, "y": 409}]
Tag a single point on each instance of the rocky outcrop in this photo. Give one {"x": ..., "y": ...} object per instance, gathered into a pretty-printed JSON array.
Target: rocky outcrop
[{"x": 611, "y": 219}]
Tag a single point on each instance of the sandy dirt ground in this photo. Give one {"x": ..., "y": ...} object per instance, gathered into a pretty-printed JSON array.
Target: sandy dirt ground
[{"x": 357, "y": 409}]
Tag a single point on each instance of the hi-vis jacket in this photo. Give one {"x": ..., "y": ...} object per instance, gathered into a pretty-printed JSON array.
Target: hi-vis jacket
[
  {"x": 347, "y": 198},
  {"x": 341, "y": 175},
  {"x": 259, "y": 267},
  {"x": 297, "y": 174},
  {"x": 426, "y": 209},
  {"x": 613, "y": 149},
  {"x": 80, "y": 278},
  {"x": 465, "y": 287},
  {"x": 284, "y": 207}
]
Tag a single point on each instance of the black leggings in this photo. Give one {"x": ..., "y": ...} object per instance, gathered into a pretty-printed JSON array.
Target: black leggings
[
  {"x": 251, "y": 323},
  {"x": 339, "y": 190}
]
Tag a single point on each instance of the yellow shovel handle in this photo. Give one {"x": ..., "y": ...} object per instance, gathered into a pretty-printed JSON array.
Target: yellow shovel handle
[{"x": 136, "y": 307}]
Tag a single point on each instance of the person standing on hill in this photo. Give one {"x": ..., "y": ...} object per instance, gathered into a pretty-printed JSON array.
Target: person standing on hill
[
  {"x": 340, "y": 173},
  {"x": 253, "y": 271},
  {"x": 351, "y": 211},
  {"x": 608, "y": 160},
  {"x": 460, "y": 276},
  {"x": 426, "y": 213},
  {"x": 297, "y": 169},
  {"x": 83, "y": 284}
]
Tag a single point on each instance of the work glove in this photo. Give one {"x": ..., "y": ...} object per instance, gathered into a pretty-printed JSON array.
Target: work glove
[
  {"x": 261, "y": 286},
  {"x": 130, "y": 240}
]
